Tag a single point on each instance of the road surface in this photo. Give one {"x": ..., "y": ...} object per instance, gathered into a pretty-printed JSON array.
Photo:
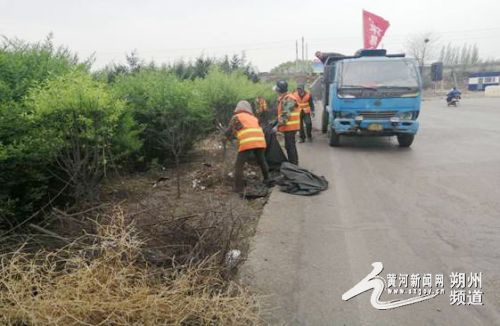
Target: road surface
[{"x": 433, "y": 208}]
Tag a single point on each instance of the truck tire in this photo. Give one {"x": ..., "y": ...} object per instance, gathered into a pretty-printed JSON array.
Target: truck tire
[
  {"x": 324, "y": 121},
  {"x": 334, "y": 139},
  {"x": 405, "y": 140}
]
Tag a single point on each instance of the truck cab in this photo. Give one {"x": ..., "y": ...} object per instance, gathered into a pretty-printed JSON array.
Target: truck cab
[{"x": 371, "y": 94}]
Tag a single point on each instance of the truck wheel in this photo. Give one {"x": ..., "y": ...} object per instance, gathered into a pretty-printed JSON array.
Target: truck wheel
[
  {"x": 334, "y": 139},
  {"x": 324, "y": 121},
  {"x": 405, "y": 140}
]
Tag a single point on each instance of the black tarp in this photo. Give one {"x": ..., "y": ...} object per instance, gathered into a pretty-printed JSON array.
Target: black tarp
[
  {"x": 274, "y": 152},
  {"x": 298, "y": 181}
]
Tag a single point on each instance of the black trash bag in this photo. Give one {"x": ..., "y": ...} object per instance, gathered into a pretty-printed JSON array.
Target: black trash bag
[
  {"x": 274, "y": 153},
  {"x": 298, "y": 181}
]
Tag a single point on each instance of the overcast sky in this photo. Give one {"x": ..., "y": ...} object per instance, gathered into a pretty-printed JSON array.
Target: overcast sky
[{"x": 266, "y": 30}]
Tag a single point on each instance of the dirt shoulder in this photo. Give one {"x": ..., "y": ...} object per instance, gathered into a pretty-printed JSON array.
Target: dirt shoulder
[
  {"x": 207, "y": 219},
  {"x": 142, "y": 255}
]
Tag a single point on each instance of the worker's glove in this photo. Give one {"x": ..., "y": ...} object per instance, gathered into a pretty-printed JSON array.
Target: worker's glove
[{"x": 274, "y": 124}]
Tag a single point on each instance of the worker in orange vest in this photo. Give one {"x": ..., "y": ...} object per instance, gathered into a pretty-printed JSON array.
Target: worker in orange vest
[
  {"x": 288, "y": 119},
  {"x": 251, "y": 142},
  {"x": 306, "y": 105}
]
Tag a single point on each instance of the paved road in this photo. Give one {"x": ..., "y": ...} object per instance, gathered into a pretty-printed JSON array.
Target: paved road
[{"x": 434, "y": 208}]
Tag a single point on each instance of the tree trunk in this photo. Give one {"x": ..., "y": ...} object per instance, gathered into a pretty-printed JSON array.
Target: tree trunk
[{"x": 178, "y": 177}]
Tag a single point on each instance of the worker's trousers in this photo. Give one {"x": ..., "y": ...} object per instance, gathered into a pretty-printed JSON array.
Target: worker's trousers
[
  {"x": 305, "y": 125},
  {"x": 241, "y": 159},
  {"x": 291, "y": 147}
]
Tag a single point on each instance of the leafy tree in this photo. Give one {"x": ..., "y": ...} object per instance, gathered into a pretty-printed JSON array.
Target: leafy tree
[
  {"x": 23, "y": 65},
  {"x": 455, "y": 55},
  {"x": 110, "y": 72},
  {"x": 182, "y": 70},
  {"x": 133, "y": 65},
  {"x": 225, "y": 65},
  {"x": 201, "y": 67},
  {"x": 235, "y": 63},
  {"x": 198, "y": 68},
  {"x": 134, "y": 62},
  {"x": 293, "y": 67}
]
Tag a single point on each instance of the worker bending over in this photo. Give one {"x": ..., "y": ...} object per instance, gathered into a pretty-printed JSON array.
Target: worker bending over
[{"x": 251, "y": 142}]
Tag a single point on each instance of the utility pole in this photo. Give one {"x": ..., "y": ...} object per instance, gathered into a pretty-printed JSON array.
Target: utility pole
[
  {"x": 296, "y": 56},
  {"x": 303, "y": 48},
  {"x": 307, "y": 51},
  {"x": 296, "y": 50},
  {"x": 423, "y": 56}
]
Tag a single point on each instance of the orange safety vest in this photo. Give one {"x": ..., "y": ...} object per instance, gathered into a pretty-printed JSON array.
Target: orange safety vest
[
  {"x": 303, "y": 102},
  {"x": 251, "y": 135},
  {"x": 293, "y": 121}
]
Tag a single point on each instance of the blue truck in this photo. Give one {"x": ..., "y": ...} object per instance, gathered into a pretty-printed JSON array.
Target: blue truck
[{"x": 371, "y": 94}]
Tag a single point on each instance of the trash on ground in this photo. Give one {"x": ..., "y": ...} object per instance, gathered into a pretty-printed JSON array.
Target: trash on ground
[
  {"x": 299, "y": 181},
  {"x": 160, "y": 181},
  {"x": 233, "y": 257}
]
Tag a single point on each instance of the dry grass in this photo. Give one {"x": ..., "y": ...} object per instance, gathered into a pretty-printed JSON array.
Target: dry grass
[
  {"x": 161, "y": 262},
  {"x": 108, "y": 282}
]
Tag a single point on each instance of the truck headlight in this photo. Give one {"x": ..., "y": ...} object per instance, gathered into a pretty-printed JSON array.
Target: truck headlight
[{"x": 406, "y": 115}]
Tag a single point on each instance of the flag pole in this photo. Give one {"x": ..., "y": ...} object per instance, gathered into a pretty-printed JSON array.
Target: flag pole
[{"x": 363, "y": 28}]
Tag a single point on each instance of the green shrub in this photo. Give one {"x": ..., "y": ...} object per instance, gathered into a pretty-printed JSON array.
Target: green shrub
[
  {"x": 23, "y": 65},
  {"x": 24, "y": 149},
  {"x": 88, "y": 128},
  {"x": 172, "y": 116},
  {"x": 165, "y": 105},
  {"x": 24, "y": 154},
  {"x": 60, "y": 128},
  {"x": 221, "y": 91}
]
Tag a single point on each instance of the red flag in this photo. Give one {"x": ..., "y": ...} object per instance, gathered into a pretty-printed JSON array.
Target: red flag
[{"x": 374, "y": 28}]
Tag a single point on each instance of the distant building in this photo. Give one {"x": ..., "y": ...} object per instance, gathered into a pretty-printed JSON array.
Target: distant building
[{"x": 480, "y": 80}]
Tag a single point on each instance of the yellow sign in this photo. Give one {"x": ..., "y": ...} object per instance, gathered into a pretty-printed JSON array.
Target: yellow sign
[{"x": 375, "y": 127}]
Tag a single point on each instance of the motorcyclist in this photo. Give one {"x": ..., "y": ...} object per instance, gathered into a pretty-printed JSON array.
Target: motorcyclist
[{"x": 453, "y": 93}]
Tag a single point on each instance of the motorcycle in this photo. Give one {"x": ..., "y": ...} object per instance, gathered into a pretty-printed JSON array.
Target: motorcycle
[{"x": 453, "y": 101}]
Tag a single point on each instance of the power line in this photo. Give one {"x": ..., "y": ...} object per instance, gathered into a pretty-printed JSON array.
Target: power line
[
  {"x": 449, "y": 40},
  {"x": 280, "y": 43},
  {"x": 203, "y": 48},
  {"x": 408, "y": 34}
]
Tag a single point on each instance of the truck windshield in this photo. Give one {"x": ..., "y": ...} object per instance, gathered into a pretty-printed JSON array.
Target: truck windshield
[{"x": 379, "y": 74}]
